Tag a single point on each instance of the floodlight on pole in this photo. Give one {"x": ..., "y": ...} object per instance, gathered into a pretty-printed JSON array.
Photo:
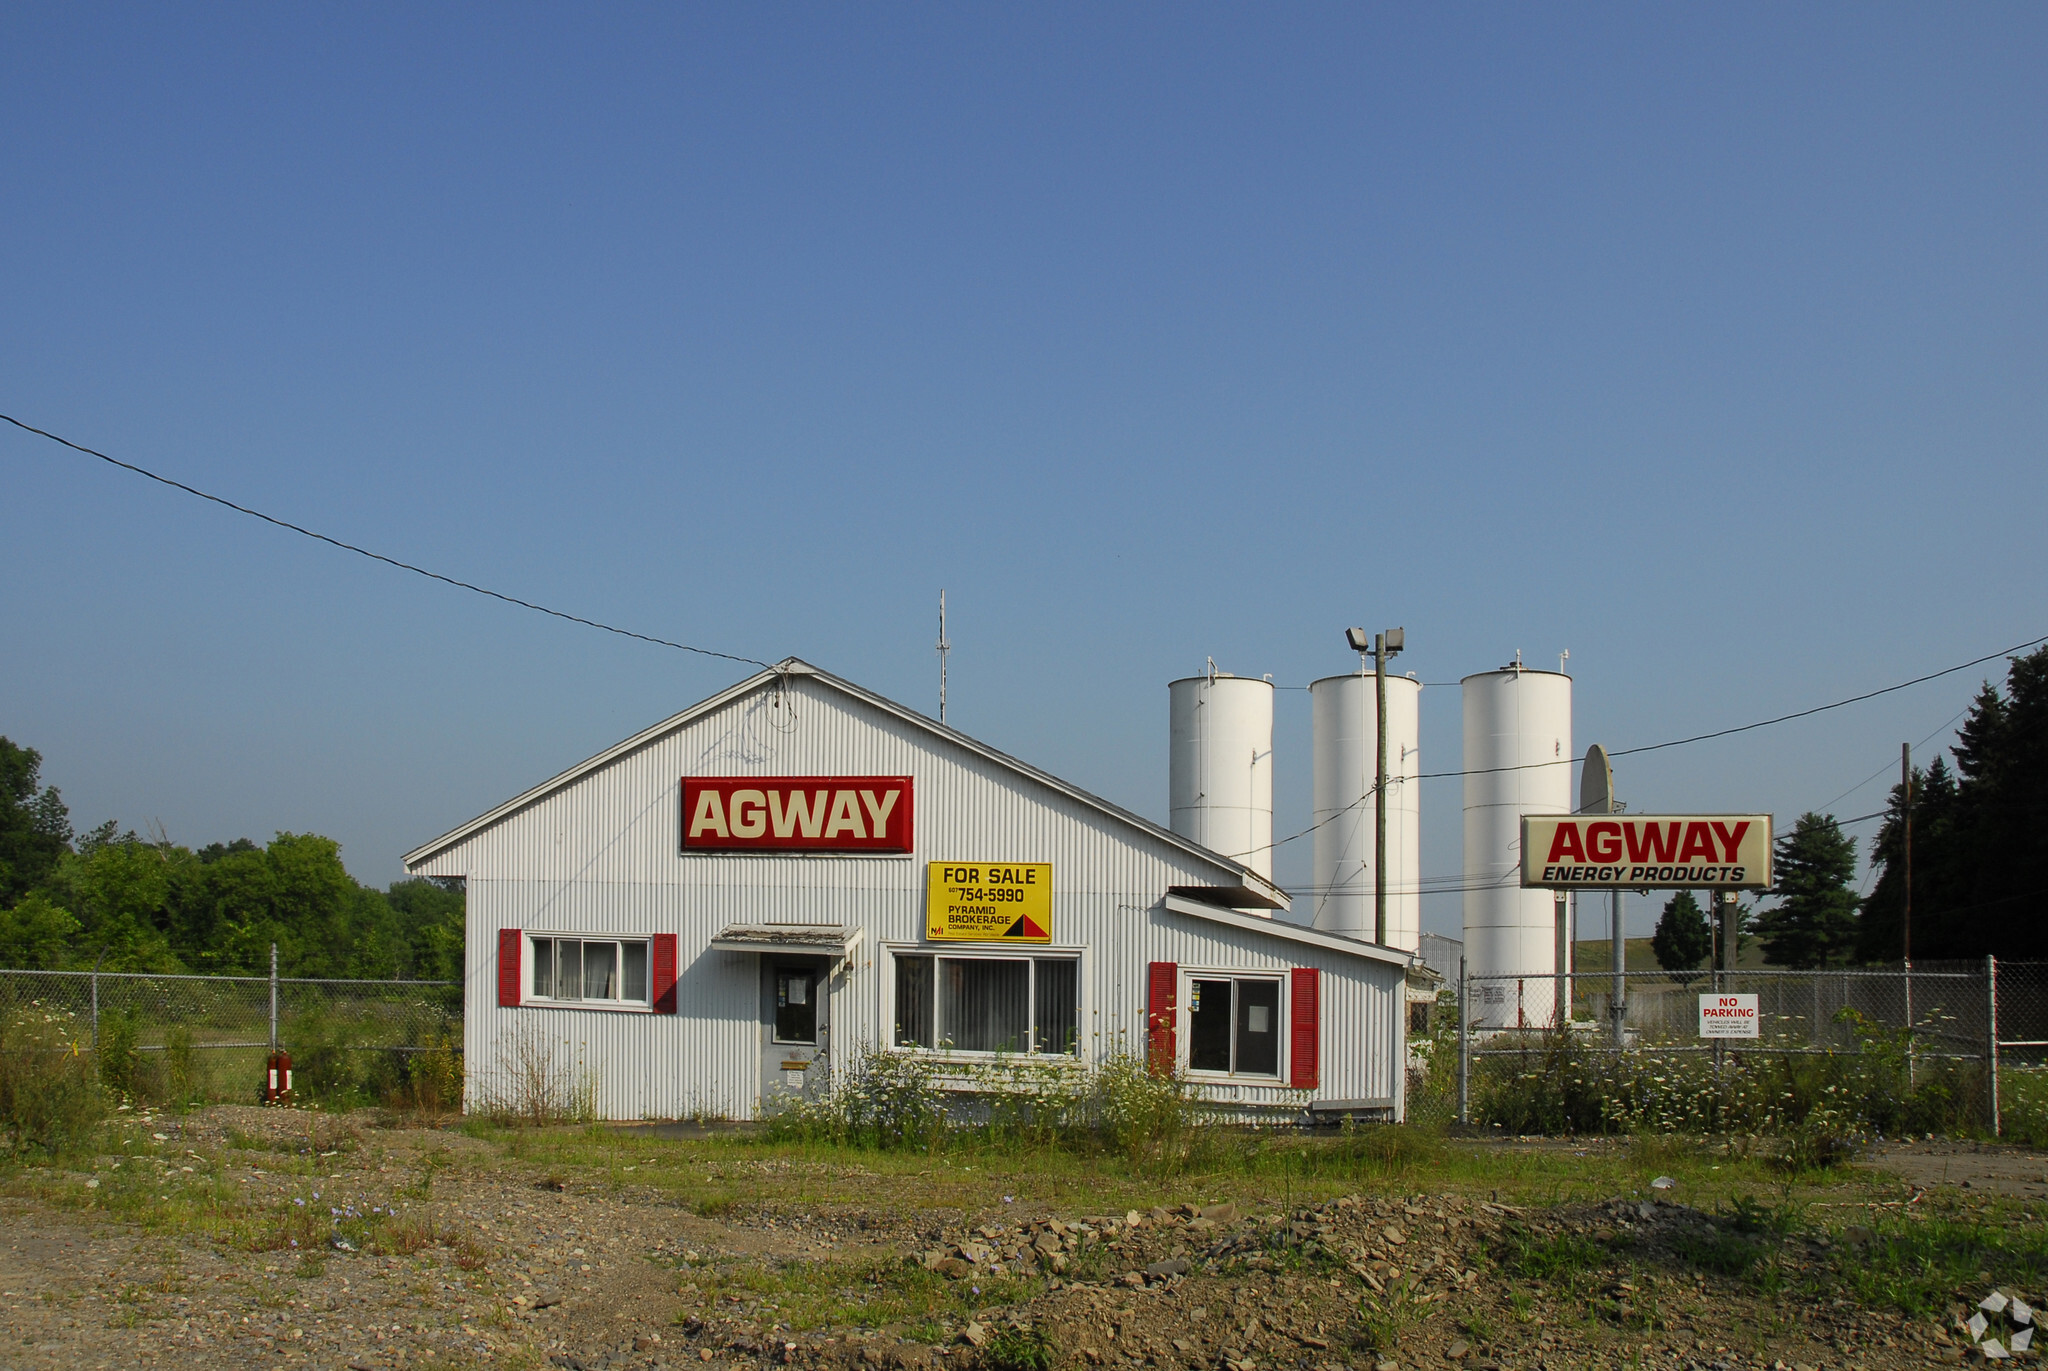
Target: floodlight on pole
[{"x": 1384, "y": 645}]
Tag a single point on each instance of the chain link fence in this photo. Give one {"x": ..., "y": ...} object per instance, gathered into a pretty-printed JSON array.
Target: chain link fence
[
  {"x": 1940, "y": 1046},
  {"x": 207, "y": 1036}
]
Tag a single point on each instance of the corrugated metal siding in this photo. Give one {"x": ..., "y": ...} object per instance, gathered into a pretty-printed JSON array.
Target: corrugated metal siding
[{"x": 602, "y": 856}]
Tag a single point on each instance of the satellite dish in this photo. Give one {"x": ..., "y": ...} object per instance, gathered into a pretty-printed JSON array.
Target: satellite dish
[{"x": 1596, "y": 783}]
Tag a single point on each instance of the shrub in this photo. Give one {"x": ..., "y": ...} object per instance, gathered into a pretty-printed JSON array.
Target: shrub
[
  {"x": 896, "y": 1100},
  {"x": 431, "y": 1080},
  {"x": 1822, "y": 1104},
  {"x": 541, "y": 1083},
  {"x": 51, "y": 1102},
  {"x": 1153, "y": 1122},
  {"x": 885, "y": 1100}
]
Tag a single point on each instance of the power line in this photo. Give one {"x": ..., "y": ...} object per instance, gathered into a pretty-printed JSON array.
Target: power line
[
  {"x": 1681, "y": 742},
  {"x": 378, "y": 556},
  {"x": 1760, "y": 723},
  {"x": 1822, "y": 809}
]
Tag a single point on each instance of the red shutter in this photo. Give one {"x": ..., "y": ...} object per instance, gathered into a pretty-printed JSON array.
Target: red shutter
[
  {"x": 508, "y": 967},
  {"x": 1162, "y": 979},
  {"x": 664, "y": 973},
  {"x": 1305, "y": 1022}
]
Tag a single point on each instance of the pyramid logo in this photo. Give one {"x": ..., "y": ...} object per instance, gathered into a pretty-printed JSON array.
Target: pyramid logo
[{"x": 1026, "y": 928}]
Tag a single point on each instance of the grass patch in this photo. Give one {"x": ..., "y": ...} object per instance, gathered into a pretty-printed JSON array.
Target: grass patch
[
  {"x": 1919, "y": 1267},
  {"x": 1564, "y": 1258},
  {"x": 1721, "y": 1252},
  {"x": 1018, "y": 1349},
  {"x": 1383, "y": 1318},
  {"x": 865, "y": 1294}
]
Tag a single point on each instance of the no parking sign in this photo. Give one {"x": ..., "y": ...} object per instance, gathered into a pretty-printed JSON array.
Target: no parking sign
[{"x": 1728, "y": 1016}]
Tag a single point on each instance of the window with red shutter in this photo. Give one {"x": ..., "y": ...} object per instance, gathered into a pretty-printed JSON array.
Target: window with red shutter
[
  {"x": 1161, "y": 981},
  {"x": 1305, "y": 1023},
  {"x": 664, "y": 973},
  {"x": 510, "y": 941}
]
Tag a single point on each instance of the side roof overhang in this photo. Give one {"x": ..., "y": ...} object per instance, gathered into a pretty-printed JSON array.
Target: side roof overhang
[
  {"x": 1236, "y": 883},
  {"x": 1287, "y": 932}
]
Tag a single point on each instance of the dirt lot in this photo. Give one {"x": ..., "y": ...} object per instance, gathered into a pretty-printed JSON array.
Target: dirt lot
[{"x": 237, "y": 1237}]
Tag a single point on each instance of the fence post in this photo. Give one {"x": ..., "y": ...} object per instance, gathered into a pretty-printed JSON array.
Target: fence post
[
  {"x": 1911, "y": 1035},
  {"x": 1464, "y": 1049},
  {"x": 273, "y": 997},
  {"x": 96, "y": 1002},
  {"x": 1991, "y": 1044}
]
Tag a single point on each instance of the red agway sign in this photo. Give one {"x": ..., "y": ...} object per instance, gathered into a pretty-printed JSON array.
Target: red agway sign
[
  {"x": 1646, "y": 851},
  {"x": 796, "y": 813}
]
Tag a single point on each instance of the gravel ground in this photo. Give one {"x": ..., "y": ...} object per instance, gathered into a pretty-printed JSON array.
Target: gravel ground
[{"x": 495, "y": 1261}]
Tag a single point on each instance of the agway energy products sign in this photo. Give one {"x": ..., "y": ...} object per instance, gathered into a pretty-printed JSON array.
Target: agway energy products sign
[
  {"x": 1647, "y": 851},
  {"x": 796, "y": 813},
  {"x": 1007, "y": 902},
  {"x": 1728, "y": 1016}
]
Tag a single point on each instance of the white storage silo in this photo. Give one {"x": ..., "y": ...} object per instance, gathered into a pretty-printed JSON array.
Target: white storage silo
[
  {"x": 1518, "y": 760},
  {"x": 1220, "y": 781},
  {"x": 1345, "y": 720}
]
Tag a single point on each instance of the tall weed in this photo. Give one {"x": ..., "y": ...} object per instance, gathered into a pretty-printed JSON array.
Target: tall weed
[
  {"x": 1821, "y": 1104},
  {"x": 51, "y": 1100}
]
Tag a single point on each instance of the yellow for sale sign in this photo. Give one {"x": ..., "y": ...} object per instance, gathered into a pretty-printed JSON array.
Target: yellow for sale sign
[{"x": 989, "y": 902}]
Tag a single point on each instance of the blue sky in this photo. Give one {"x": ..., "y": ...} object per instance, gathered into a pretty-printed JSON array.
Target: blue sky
[{"x": 1707, "y": 344}]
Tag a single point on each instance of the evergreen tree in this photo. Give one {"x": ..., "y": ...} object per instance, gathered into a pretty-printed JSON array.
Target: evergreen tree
[
  {"x": 1814, "y": 920},
  {"x": 1684, "y": 937},
  {"x": 1980, "y": 836},
  {"x": 1880, "y": 932}
]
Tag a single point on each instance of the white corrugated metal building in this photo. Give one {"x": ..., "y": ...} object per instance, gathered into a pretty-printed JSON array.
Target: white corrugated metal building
[{"x": 795, "y": 871}]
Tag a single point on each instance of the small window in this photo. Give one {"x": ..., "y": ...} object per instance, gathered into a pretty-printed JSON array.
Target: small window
[
  {"x": 1234, "y": 1025},
  {"x": 796, "y": 1004},
  {"x": 988, "y": 1004},
  {"x": 590, "y": 970},
  {"x": 544, "y": 968},
  {"x": 914, "y": 1007}
]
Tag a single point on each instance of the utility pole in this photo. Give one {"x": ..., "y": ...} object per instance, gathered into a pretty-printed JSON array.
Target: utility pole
[
  {"x": 1381, "y": 646},
  {"x": 1906, "y": 910},
  {"x": 1906, "y": 918},
  {"x": 944, "y": 648}
]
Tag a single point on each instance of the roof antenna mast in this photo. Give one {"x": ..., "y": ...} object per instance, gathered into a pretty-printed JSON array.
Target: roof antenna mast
[{"x": 944, "y": 648}]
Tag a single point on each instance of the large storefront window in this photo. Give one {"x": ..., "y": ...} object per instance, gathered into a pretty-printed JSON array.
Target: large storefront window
[{"x": 988, "y": 1004}]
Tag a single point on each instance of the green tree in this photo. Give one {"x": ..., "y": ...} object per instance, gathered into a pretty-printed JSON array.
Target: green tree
[
  {"x": 1684, "y": 937},
  {"x": 118, "y": 889},
  {"x": 35, "y": 827},
  {"x": 37, "y": 935},
  {"x": 232, "y": 901},
  {"x": 1814, "y": 921},
  {"x": 429, "y": 917}
]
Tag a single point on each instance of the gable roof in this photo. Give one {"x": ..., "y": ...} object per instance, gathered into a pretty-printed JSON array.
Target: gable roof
[{"x": 1241, "y": 885}]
